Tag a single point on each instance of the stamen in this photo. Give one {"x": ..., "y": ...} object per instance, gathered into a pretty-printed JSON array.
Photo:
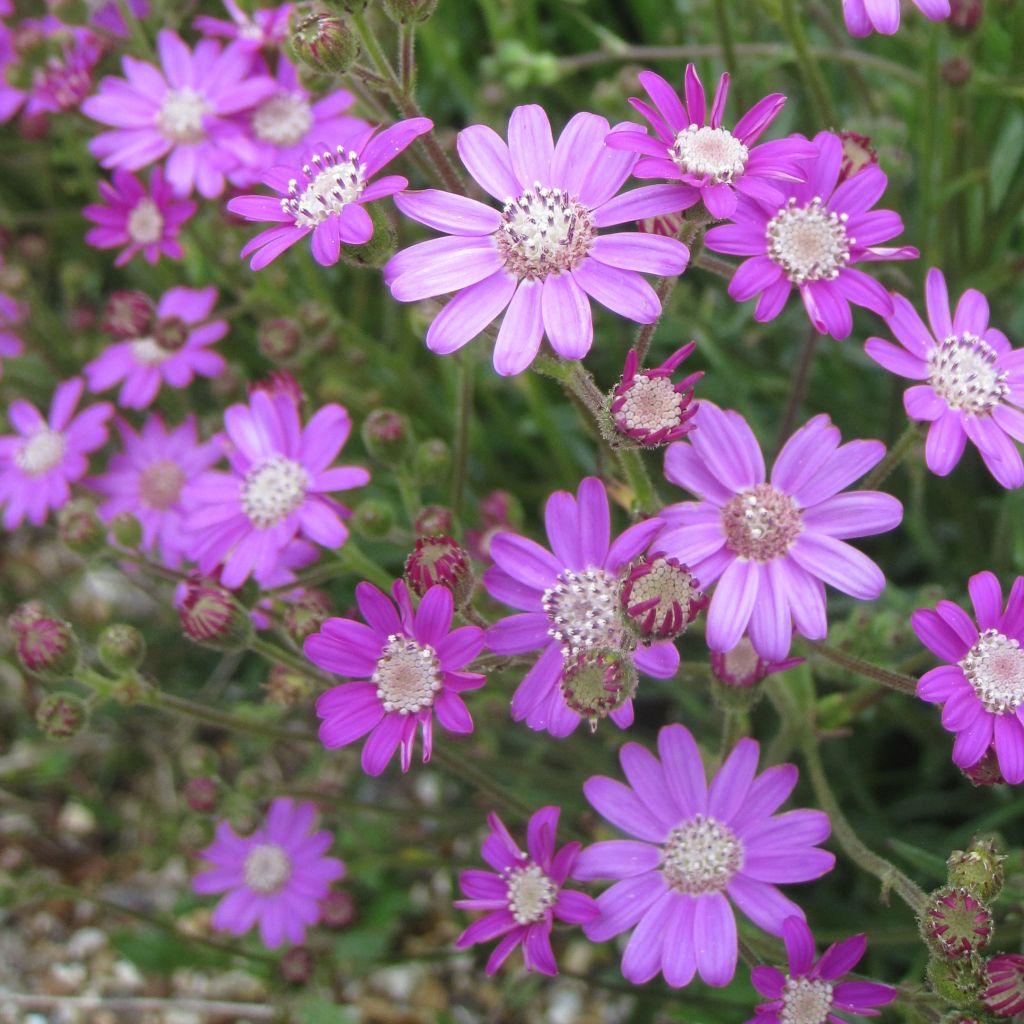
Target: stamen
[
  {"x": 273, "y": 491},
  {"x": 408, "y": 675},
  {"x": 180, "y": 118},
  {"x": 709, "y": 152},
  {"x": 267, "y": 869},
  {"x": 809, "y": 242},
  {"x": 994, "y": 667},
  {"x": 41, "y": 452},
  {"x": 334, "y": 180},
  {"x": 583, "y": 609},
  {"x": 284, "y": 120},
  {"x": 530, "y": 893},
  {"x": 700, "y": 856},
  {"x": 145, "y": 222},
  {"x": 762, "y": 523},
  {"x": 160, "y": 484},
  {"x": 545, "y": 231},
  {"x": 805, "y": 1001},
  {"x": 962, "y": 372}
]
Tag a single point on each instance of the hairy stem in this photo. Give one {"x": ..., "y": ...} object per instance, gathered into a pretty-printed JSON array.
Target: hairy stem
[
  {"x": 810, "y": 70},
  {"x": 798, "y": 385},
  {"x": 893, "y": 680},
  {"x": 897, "y": 453}
]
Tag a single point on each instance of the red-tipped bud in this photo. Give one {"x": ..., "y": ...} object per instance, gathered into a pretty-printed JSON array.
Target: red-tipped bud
[
  {"x": 62, "y": 715},
  {"x": 279, "y": 338},
  {"x": 857, "y": 154},
  {"x": 285, "y": 687},
  {"x": 432, "y": 519},
  {"x": 660, "y": 598},
  {"x": 171, "y": 333},
  {"x": 979, "y": 869},
  {"x": 439, "y": 560},
  {"x": 647, "y": 407},
  {"x": 297, "y": 966},
  {"x": 387, "y": 436},
  {"x": 305, "y": 615},
  {"x": 201, "y": 794},
  {"x": 742, "y": 667},
  {"x": 986, "y": 771},
  {"x": 1004, "y": 989},
  {"x": 129, "y": 315},
  {"x": 596, "y": 683},
  {"x": 121, "y": 648},
  {"x": 956, "y": 923},
  {"x": 337, "y": 909},
  {"x": 211, "y": 616},
  {"x": 46, "y": 646}
]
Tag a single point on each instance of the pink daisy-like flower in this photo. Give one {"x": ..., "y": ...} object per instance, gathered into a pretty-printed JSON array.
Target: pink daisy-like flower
[
  {"x": 647, "y": 407},
  {"x": 974, "y": 379},
  {"x": 413, "y": 664},
  {"x": 277, "y": 489},
  {"x": 268, "y": 27},
  {"x": 698, "y": 849},
  {"x": 143, "y": 220},
  {"x": 811, "y": 991},
  {"x": 275, "y": 877},
  {"x": 1004, "y": 992},
  {"x": 147, "y": 478},
  {"x": 325, "y": 196},
  {"x": 981, "y": 688},
  {"x": 176, "y": 351},
  {"x": 773, "y": 545},
  {"x": 64, "y": 80},
  {"x": 811, "y": 240},
  {"x": 572, "y": 612},
  {"x": 526, "y": 895},
  {"x": 690, "y": 147},
  {"x": 182, "y": 111},
  {"x": 864, "y": 16},
  {"x": 48, "y": 454},
  {"x": 541, "y": 256}
]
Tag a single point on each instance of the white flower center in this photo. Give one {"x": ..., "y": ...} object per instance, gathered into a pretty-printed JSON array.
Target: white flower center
[
  {"x": 180, "y": 118},
  {"x": 335, "y": 180},
  {"x": 659, "y": 593},
  {"x": 994, "y": 667},
  {"x": 530, "y": 894},
  {"x": 962, "y": 372},
  {"x": 742, "y": 663},
  {"x": 761, "y": 524},
  {"x": 714, "y": 152},
  {"x": 160, "y": 484},
  {"x": 701, "y": 855},
  {"x": 809, "y": 242},
  {"x": 651, "y": 404},
  {"x": 408, "y": 675},
  {"x": 267, "y": 869},
  {"x": 145, "y": 222},
  {"x": 805, "y": 1001},
  {"x": 583, "y": 611},
  {"x": 149, "y": 352},
  {"x": 273, "y": 491},
  {"x": 545, "y": 231},
  {"x": 284, "y": 120},
  {"x": 41, "y": 452}
]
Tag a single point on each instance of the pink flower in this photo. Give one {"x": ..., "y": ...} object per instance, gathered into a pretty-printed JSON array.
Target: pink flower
[
  {"x": 526, "y": 895},
  {"x": 268, "y": 27},
  {"x": 981, "y": 688},
  {"x": 173, "y": 354},
  {"x": 412, "y": 662},
  {"x": 813, "y": 990},
  {"x": 741, "y": 667},
  {"x": 146, "y": 221},
  {"x": 647, "y": 407},
  {"x": 325, "y": 196},
  {"x": 275, "y": 877},
  {"x": 698, "y": 849},
  {"x": 773, "y": 545},
  {"x": 973, "y": 380},
  {"x": 863, "y": 16},
  {"x": 12, "y": 314},
  {"x": 811, "y": 240},
  {"x": 46, "y": 455},
  {"x": 108, "y": 16},
  {"x": 541, "y": 256}
]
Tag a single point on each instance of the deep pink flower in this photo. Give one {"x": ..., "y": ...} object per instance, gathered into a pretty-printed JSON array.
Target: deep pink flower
[
  {"x": 526, "y": 895},
  {"x": 541, "y": 256},
  {"x": 275, "y": 877},
  {"x": 981, "y": 688},
  {"x": 648, "y": 407},
  {"x": 812, "y": 991},
  {"x": 773, "y": 545},
  {"x": 811, "y": 240},
  {"x": 973, "y": 379},
  {"x": 108, "y": 16},
  {"x": 143, "y": 220},
  {"x": 413, "y": 664},
  {"x": 267, "y": 27},
  {"x": 48, "y": 454},
  {"x": 719, "y": 163},
  {"x": 174, "y": 352},
  {"x": 325, "y": 196},
  {"x": 698, "y": 848},
  {"x": 863, "y": 16}
]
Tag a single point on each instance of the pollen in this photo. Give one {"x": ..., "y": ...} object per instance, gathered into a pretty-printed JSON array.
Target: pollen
[
  {"x": 544, "y": 231},
  {"x": 714, "y": 153},
  {"x": 809, "y": 242}
]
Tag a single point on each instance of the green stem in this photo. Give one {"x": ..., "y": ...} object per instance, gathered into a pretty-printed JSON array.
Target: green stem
[
  {"x": 809, "y": 69},
  {"x": 798, "y": 385},
  {"x": 724, "y": 26},
  {"x": 465, "y": 768},
  {"x": 407, "y": 57},
  {"x": 893, "y": 680},
  {"x": 356, "y": 561},
  {"x": 276, "y": 653},
  {"x": 714, "y": 265},
  {"x": 212, "y": 716},
  {"x": 645, "y": 497},
  {"x": 897, "y": 453},
  {"x": 462, "y": 422},
  {"x": 735, "y": 725}
]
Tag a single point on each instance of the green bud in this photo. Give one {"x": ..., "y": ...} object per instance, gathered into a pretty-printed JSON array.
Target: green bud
[
  {"x": 381, "y": 245},
  {"x": 409, "y": 12},
  {"x": 285, "y": 687},
  {"x": 432, "y": 460},
  {"x": 387, "y": 436},
  {"x": 321, "y": 41},
  {"x": 62, "y": 715},
  {"x": 373, "y": 518},
  {"x": 595, "y": 683},
  {"x": 979, "y": 870},
  {"x": 305, "y": 616},
  {"x": 80, "y": 529},
  {"x": 121, "y": 648},
  {"x": 131, "y": 689},
  {"x": 279, "y": 338},
  {"x": 960, "y": 981},
  {"x": 126, "y": 530}
]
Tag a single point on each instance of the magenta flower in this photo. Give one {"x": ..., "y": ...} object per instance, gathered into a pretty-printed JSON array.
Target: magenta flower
[
  {"x": 275, "y": 877},
  {"x": 648, "y": 407},
  {"x": 277, "y": 489},
  {"x": 182, "y": 110},
  {"x": 742, "y": 667},
  {"x": 571, "y": 605},
  {"x": 692, "y": 148},
  {"x": 1004, "y": 992},
  {"x": 268, "y": 27},
  {"x": 412, "y": 663},
  {"x": 108, "y": 16},
  {"x": 143, "y": 220},
  {"x": 541, "y": 256},
  {"x": 12, "y": 314},
  {"x": 811, "y": 240},
  {"x": 325, "y": 196},
  {"x": 696, "y": 849},
  {"x": 526, "y": 895},
  {"x": 176, "y": 351},
  {"x": 864, "y": 16},
  {"x": 974, "y": 380},
  {"x": 981, "y": 688},
  {"x": 146, "y": 480},
  {"x": 48, "y": 454},
  {"x": 773, "y": 545},
  {"x": 812, "y": 991}
]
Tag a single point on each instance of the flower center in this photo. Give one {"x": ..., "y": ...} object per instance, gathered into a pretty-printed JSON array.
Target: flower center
[
  {"x": 545, "y": 231},
  {"x": 805, "y": 1001},
  {"x": 741, "y": 666},
  {"x": 408, "y": 675},
  {"x": 284, "y": 119},
  {"x": 149, "y": 352},
  {"x": 267, "y": 869},
  {"x": 583, "y": 609},
  {"x": 957, "y": 922},
  {"x": 160, "y": 484},
  {"x": 761, "y": 524},
  {"x": 650, "y": 404},
  {"x": 809, "y": 242},
  {"x": 962, "y": 372},
  {"x": 145, "y": 222},
  {"x": 41, "y": 452},
  {"x": 530, "y": 894},
  {"x": 273, "y": 491},
  {"x": 701, "y": 855},
  {"x": 994, "y": 667},
  {"x": 596, "y": 683},
  {"x": 335, "y": 180},
  {"x": 714, "y": 152},
  {"x": 180, "y": 118},
  {"x": 661, "y": 597}
]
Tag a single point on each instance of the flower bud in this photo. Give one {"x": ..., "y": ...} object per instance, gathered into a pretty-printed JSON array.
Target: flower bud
[
  {"x": 387, "y": 436},
  {"x": 373, "y": 518},
  {"x": 965, "y": 15},
  {"x": 129, "y": 315},
  {"x": 979, "y": 869},
  {"x": 1004, "y": 985},
  {"x": 211, "y": 616},
  {"x": 409, "y": 12},
  {"x": 959, "y": 981},
  {"x": 285, "y": 687},
  {"x": 857, "y": 154},
  {"x": 62, "y": 715},
  {"x": 126, "y": 530},
  {"x": 647, "y": 407},
  {"x": 171, "y": 333},
  {"x": 985, "y": 772},
  {"x": 596, "y": 683},
  {"x": 279, "y": 338},
  {"x": 131, "y": 688},
  {"x": 297, "y": 965},
  {"x": 80, "y": 529},
  {"x": 306, "y": 615},
  {"x": 337, "y": 909},
  {"x": 660, "y": 598},
  {"x": 379, "y": 247},
  {"x": 201, "y": 794},
  {"x": 955, "y": 923},
  {"x": 322, "y": 42},
  {"x": 433, "y": 519},
  {"x": 46, "y": 646},
  {"x": 433, "y": 459},
  {"x": 439, "y": 560},
  {"x": 121, "y": 648},
  {"x": 957, "y": 71}
]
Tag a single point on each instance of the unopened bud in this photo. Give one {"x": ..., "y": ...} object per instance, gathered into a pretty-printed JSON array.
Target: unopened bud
[
  {"x": 62, "y": 715},
  {"x": 439, "y": 560},
  {"x": 965, "y": 15},
  {"x": 46, "y": 646},
  {"x": 279, "y": 338},
  {"x": 985, "y": 772},
  {"x": 129, "y": 315},
  {"x": 379, "y": 247},
  {"x": 955, "y": 923},
  {"x": 957, "y": 71},
  {"x": 80, "y": 529},
  {"x": 660, "y": 598},
  {"x": 211, "y": 616},
  {"x": 858, "y": 153},
  {"x": 337, "y": 909},
  {"x": 960, "y": 981},
  {"x": 1004, "y": 985},
  {"x": 201, "y": 794},
  {"x": 387, "y": 436},
  {"x": 597, "y": 683},
  {"x": 979, "y": 869},
  {"x": 171, "y": 333},
  {"x": 121, "y": 648},
  {"x": 432, "y": 460},
  {"x": 126, "y": 530},
  {"x": 433, "y": 519},
  {"x": 306, "y": 615},
  {"x": 409, "y": 12},
  {"x": 285, "y": 687},
  {"x": 322, "y": 42},
  {"x": 373, "y": 518},
  {"x": 297, "y": 965}
]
